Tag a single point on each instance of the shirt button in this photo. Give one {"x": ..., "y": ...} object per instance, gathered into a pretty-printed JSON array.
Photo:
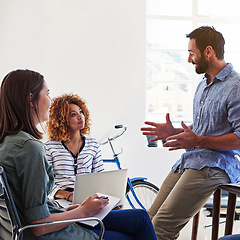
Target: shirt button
[
  {"x": 197, "y": 117},
  {"x": 201, "y": 102}
]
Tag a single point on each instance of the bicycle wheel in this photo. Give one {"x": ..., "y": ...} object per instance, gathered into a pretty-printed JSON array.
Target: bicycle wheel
[{"x": 146, "y": 193}]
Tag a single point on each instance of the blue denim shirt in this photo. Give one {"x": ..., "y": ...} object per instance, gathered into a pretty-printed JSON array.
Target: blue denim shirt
[{"x": 216, "y": 111}]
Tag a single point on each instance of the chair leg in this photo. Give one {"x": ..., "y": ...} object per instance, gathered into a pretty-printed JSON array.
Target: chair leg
[
  {"x": 216, "y": 213},
  {"x": 230, "y": 213},
  {"x": 195, "y": 226}
]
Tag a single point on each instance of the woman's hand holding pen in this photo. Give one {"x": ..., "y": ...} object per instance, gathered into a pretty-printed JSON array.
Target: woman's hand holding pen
[{"x": 94, "y": 204}]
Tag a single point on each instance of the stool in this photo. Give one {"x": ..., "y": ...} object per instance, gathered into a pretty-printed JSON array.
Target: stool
[{"x": 233, "y": 192}]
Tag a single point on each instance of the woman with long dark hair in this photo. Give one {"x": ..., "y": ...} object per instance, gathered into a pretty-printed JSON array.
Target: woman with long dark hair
[{"x": 25, "y": 103}]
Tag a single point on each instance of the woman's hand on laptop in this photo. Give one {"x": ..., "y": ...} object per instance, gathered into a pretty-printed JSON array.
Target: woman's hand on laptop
[
  {"x": 71, "y": 207},
  {"x": 94, "y": 204}
]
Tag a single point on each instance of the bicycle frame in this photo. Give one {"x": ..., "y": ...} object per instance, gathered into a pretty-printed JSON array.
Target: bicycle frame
[
  {"x": 116, "y": 160},
  {"x": 129, "y": 181}
]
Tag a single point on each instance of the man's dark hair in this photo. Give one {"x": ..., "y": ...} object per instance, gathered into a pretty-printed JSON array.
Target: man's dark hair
[{"x": 208, "y": 36}]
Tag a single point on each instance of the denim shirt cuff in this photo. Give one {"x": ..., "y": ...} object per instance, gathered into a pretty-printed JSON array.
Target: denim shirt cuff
[{"x": 237, "y": 133}]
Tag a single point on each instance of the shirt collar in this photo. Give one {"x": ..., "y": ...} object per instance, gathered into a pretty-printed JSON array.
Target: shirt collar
[{"x": 222, "y": 74}]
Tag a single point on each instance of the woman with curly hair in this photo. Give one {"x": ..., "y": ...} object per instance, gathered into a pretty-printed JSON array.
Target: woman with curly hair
[
  {"x": 69, "y": 151},
  {"x": 25, "y": 103}
]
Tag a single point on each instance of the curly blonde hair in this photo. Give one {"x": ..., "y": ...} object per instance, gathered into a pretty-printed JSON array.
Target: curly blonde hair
[{"x": 57, "y": 125}]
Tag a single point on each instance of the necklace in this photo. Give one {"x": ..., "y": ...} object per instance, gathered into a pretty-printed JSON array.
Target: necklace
[{"x": 74, "y": 153}]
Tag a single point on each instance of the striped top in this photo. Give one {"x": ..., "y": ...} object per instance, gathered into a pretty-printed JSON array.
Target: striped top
[{"x": 89, "y": 160}]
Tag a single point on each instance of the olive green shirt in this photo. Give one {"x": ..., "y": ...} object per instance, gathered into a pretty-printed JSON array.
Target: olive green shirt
[{"x": 31, "y": 179}]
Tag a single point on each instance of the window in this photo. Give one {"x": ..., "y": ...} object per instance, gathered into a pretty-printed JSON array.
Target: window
[{"x": 170, "y": 80}]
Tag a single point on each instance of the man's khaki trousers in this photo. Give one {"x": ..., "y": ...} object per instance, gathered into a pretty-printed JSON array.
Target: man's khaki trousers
[{"x": 181, "y": 196}]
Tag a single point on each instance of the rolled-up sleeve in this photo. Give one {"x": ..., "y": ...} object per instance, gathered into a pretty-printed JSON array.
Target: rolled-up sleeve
[
  {"x": 32, "y": 174},
  {"x": 38, "y": 212},
  {"x": 234, "y": 109}
]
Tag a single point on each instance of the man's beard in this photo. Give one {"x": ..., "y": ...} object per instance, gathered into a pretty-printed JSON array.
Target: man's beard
[{"x": 201, "y": 65}]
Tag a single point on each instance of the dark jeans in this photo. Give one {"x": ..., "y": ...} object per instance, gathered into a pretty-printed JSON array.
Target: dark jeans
[
  {"x": 128, "y": 224},
  {"x": 231, "y": 237}
]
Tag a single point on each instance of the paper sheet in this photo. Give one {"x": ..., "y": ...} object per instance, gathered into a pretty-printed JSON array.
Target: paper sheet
[{"x": 113, "y": 202}]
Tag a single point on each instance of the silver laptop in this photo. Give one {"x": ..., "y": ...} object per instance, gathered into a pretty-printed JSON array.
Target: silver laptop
[{"x": 108, "y": 182}]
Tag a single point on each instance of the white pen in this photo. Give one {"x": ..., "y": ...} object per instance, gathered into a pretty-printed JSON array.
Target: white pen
[{"x": 237, "y": 157}]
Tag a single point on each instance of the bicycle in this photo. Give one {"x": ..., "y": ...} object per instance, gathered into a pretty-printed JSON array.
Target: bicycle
[{"x": 139, "y": 191}]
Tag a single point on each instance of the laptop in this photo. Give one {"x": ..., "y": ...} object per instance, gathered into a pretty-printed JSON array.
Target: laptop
[{"x": 111, "y": 183}]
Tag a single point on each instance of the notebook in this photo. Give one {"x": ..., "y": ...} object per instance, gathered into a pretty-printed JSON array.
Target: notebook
[
  {"x": 111, "y": 183},
  {"x": 113, "y": 202}
]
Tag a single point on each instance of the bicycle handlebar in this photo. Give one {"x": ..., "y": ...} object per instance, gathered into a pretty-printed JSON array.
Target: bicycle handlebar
[{"x": 118, "y": 135}]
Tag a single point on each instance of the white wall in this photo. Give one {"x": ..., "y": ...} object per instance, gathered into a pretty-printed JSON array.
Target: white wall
[{"x": 95, "y": 48}]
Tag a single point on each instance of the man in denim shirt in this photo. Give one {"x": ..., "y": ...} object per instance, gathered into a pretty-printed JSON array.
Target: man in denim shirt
[{"x": 210, "y": 142}]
